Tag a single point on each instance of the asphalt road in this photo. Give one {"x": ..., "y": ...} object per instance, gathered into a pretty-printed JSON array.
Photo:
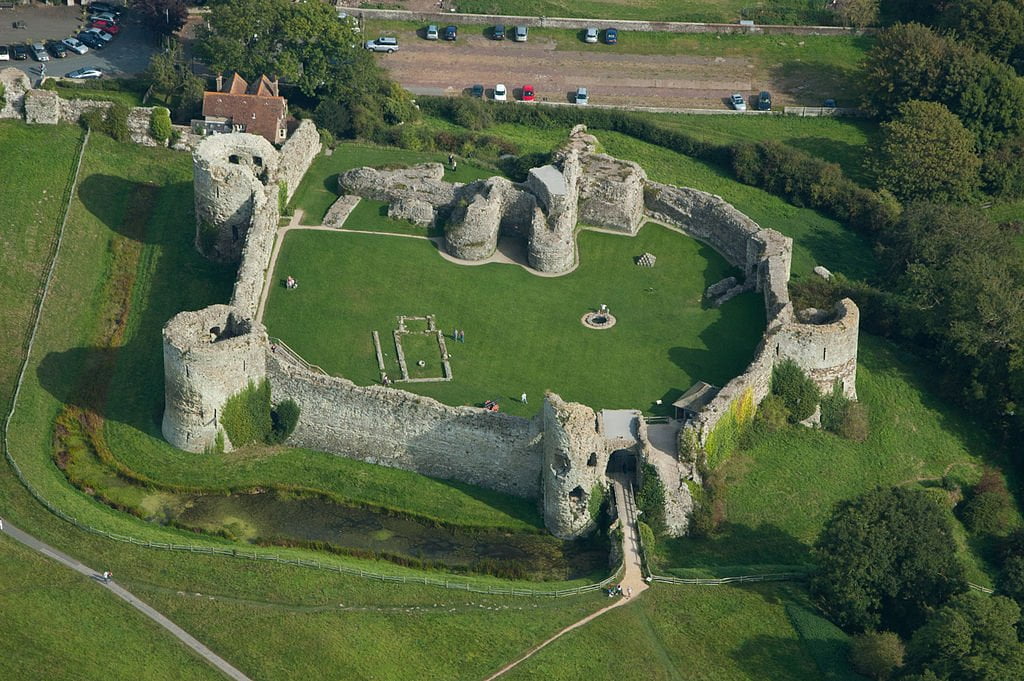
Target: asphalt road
[{"x": 127, "y": 54}]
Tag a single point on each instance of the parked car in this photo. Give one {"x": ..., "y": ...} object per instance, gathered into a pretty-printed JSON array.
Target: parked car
[
  {"x": 520, "y": 33},
  {"x": 39, "y": 52},
  {"x": 108, "y": 26},
  {"x": 92, "y": 40},
  {"x": 57, "y": 49},
  {"x": 101, "y": 34},
  {"x": 529, "y": 94},
  {"x": 103, "y": 16},
  {"x": 738, "y": 102},
  {"x": 477, "y": 90},
  {"x": 86, "y": 72},
  {"x": 611, "y": 36},
  {"x": 5, "y": 54},
  {"x": 764, "y": 101},
  {"x": 383, "y": 44},
  {"x": 500, "y": 93},
  {"x": 75, "y": 45},
  {"x": 104, "y": 7},
  {"x": 432, "y": 32},
  {"x": 590, "y": 35},
  {"x": 830, "y": 104},
  {"x": 451, "y": 32},
  {"x": 498, "y": 32},
  {"x": 19, "y": 52},
  {"x": 582, "y": 97}
]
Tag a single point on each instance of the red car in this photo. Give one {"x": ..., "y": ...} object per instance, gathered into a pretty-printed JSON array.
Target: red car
[
  {"x": 528, "y": 93},
  {"x": 108, "y": 26}
]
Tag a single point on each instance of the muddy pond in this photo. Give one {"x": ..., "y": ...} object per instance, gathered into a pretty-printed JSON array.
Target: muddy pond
[{"x": 270, "y": 518}]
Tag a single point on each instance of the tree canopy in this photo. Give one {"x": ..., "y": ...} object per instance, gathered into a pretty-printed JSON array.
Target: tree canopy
[
  {"x": 927, "y": 153},
  {"x": 884, "y": 560},
  {"x": 973, "y": 638},
  {"x": 163, "y": 17}
]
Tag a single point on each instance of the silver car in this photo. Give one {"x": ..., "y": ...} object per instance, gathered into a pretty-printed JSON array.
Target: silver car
[
  {"x": 383, "y": 44},
  {"x": 590, "y": 35},
  {"x": 39, "y": 52}
]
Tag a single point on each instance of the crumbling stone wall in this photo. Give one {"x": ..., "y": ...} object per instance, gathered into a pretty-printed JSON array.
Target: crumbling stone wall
[
  {"x": 41, "y": 107},
  {"x": 423, "y": 182},
  {"x": 297, "y": 154},
  {"x": 612, "y": 193},
  {"x": 259, "y": 246},
  {"x": 485, "y": 210},
  {"x": 399, "y": 429},
  {"x": 16, "y": 84},
  {"x": 209, "y": 356},
  {"x": 825, "y": 348}
]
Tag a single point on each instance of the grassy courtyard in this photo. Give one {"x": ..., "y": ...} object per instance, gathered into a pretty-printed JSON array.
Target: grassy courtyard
[{"x": 523, "y": 332}]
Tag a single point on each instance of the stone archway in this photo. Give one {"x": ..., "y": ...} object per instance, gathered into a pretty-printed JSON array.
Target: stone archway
[{"x": 622, "y": 463}]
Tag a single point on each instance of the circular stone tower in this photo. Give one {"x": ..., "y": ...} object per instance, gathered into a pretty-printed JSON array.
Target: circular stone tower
[
  {"x": 824, "y": 345},
  {"x": 209, "y": 356},
  {"x": 227, "y": 171}
]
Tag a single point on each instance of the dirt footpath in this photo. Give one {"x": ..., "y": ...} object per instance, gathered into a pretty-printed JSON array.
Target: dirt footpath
[{"x": 676, "y": 81}]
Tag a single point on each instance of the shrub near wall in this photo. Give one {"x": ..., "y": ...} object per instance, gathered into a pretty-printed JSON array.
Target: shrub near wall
[{"x": 246, "y": 416}]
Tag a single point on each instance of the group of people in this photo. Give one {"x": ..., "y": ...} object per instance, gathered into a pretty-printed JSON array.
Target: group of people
[
  {"x": 459, "y": 335},
  {"x": 618, "y": 591},
  {"x": 452, "y": 162},
  {"x": 290, "y": 282}
]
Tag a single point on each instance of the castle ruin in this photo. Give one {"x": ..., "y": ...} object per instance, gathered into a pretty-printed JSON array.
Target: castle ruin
[{"x": 561, "y": 455}]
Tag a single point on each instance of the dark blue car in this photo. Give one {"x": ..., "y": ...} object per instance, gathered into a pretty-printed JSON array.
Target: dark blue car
[
  {"x": 611, "y": 36},
  {"x": 450, "y": 33}
]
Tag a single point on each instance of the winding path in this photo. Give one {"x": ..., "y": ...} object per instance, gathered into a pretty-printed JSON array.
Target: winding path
[
  {"x": 125, "y": 595},
  {"x": 632, "y": 576}
]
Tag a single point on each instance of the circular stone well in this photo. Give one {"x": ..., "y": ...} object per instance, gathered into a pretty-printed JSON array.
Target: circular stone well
[{"x": 598, "y": 320}]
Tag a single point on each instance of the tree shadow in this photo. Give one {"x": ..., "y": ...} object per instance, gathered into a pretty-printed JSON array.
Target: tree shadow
[
  {"x": 759, "y": 655},
  {"x": 735, "y": 550}
]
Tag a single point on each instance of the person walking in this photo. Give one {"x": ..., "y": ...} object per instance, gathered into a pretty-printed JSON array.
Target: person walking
[
  {"x": 522, "y": 398},
  {"x": 1, "y": 524}
]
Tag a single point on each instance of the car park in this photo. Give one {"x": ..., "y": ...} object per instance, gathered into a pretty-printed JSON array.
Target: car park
[
  {"x": 520, "y": 34},
  {"x": 432, "y": 32},
  {"x": 764, "y": 101},
  {"x": 101, "y": 34},
  {"x": 611, "y": 36},
  {"x": 75, "y": 45},
  {"x": 590, "y": 35},
  {"x": 451, "y": 32},
  {"x": 92, "y": 40},
  {"x": 477, "y": 90},
  {"x": 19, "y": 52},
  {"x": 500, "y": 93},
  {"x": 83, "y": 73},
  {"x": 529, "y": 94},
  {"x": 498, "y": 32},
  {"x": 582, "y": 97},
  {"x": 738, "y": 102},
  {"x": 108, "y": 26},
  {"x": 39, "y": 52},
  {"x": 5, "y": 54},
  {"x": 57, "y": 49},
  {"x": 384, "y": 43}
]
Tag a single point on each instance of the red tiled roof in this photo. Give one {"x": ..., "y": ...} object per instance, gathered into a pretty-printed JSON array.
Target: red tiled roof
[{"x": 257, "y": 107}]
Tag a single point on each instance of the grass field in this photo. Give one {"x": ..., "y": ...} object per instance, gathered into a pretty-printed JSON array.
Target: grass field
[
  {"x": 727, "y": 11},
  {"x": 697, "y": 633},
  {"x": 61, "y": 625},
  {"x": 523, "y": 332},
  {"x": 915, "y": 439},
  {"x": 319, "y": 188}
]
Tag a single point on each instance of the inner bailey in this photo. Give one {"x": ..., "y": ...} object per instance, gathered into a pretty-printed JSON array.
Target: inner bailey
[{"x": 561, "y": 454}]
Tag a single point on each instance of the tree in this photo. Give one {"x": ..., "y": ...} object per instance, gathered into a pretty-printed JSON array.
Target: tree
[
  {"x": 907, "y": 62},
  {"x": 160, "y": 124},
  {"x": 926, "y": 153},
  {"x": 858, "y": 13},
  {"x": 163, "y": 17},
  {"x": 798, "y": 392},
  {"x": 877, "y": 654},
  {"x": 171, "y": 76},
  {"x": 973, "y": 638},
  {"x": 995, "y": 27},
  {"x": 1011, "y": 578},
  {"x": 884, "y": 560}
]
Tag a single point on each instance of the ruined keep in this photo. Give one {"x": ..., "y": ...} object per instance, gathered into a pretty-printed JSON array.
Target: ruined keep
[{"x": 563, "y": 454}]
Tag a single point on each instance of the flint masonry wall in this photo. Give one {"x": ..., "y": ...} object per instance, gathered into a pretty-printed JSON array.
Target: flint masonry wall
[
  {"x": 297, "y": 154},
  {"x": 402, "y": 430}
]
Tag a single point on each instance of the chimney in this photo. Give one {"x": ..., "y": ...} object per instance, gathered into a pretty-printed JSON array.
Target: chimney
[
  {"x": 274, "y": 89},
  {"x": 220, "y": 82}
]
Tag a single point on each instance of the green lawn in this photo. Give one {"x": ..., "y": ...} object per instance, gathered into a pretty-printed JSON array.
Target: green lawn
[
  {"x": 523, "y": 332},
  {"x": 715, "y": 11},
  {"x": 59, "y": 624},
  {"x": 319, "y": 187},
  {"x": 915, "y": 439},
  {"x": 372, "y": 216},
  {"x": 126, "y": 97},
  {"x": 699, "y": 633}
]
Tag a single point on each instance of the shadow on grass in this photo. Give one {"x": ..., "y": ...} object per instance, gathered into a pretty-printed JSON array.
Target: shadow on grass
[
  {"x": 841, "y": 250},
  {"x": 116, "y": 201},
  {"x": 849, "y": 156},
  {"x": 735, "y": 550},
  {"x": 759, "y": 654}
]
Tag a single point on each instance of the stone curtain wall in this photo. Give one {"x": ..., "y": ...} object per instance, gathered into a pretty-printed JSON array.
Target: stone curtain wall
[
  {"x": 297, "y": 155},
  {"x": 16, "y": 84},
  {"x": 394, "y": 428},
  {"x": 259, "y": 247}
]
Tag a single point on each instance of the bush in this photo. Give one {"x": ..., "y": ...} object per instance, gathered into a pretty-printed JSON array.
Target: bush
[
  {"x": 650, "y": 499},
  {"x": 117, "y": 122},
  {"x": 833, "y": 409},
  {"x": 772, "y": 415},
  {"x": 160, "y": 124},
  {"x": 246, "y": 415},
  {"x": 1011, "y": 579},
  {"x": 989, "y": 508},
  {"x": 283, "y": 418},
  {"x": 326, "y": 138},
  {"x": 798, "y": 392},
  {"x": 877, "y": 654},
  {"x": 94, "y": 121}
]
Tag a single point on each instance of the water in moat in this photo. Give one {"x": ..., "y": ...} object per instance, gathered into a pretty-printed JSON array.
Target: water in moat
[{"x": 276, "y": 519}]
